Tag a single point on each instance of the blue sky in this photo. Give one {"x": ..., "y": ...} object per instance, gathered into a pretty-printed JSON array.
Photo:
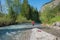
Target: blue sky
[
  {"x": 35, "y": 3},
  {"x": 38, "y": 3}
]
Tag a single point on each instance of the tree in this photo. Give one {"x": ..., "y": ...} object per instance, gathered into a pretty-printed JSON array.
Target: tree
[
  {"x": 11, "y": 12},
  {"x": 47, "y": 14},
  {"x": 50, "y": 13},
  {"x": 25, "y": 8},
  {"x": 34, "y": 15},
  {"x": 12, "y": 15},
  {"x": 17, "y": 6},
  {"x": 0, "y": 6},
  {"x": 29, "y": 12}
]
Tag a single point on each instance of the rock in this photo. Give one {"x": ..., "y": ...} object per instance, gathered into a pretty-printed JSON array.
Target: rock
[
  {"x": 41, "y": 35},
  {"x": 56, "y": 24},
  {"x": 51, "y": 4}
]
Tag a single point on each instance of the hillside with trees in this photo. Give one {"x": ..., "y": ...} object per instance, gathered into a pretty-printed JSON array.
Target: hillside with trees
[
  {"x": 50, "y": 12},
  {"x": 18, "y": 12}
]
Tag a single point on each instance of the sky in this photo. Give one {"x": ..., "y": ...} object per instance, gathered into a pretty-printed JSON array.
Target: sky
[
  {"x": 38, "y": 3},
  {"x": 35, "y": 3}
]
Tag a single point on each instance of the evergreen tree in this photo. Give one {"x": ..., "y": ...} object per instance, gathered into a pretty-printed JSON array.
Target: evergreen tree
[
  {"x": 29, "y": 12},
  {"x": 12, "y": 14},
  {"x": 35, "y": 15},
  {"x": 25, "y": 9},
  {"x": 17, "y": 6}
]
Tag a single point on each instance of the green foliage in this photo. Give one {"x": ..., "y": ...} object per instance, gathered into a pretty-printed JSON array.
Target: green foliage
[
  {"x": 35, "y": 15},
  {"x": 29, "y": 12},
  {"x": 12, "y": 15},
  {"x": 18, "y": 13},
  {"x": 50, "y": 15},
  {"x": 5, "y": 21},
  {"x": 25, "y": 9},
  {"x": 1, "y": 14},
  {"x": 22, "y": 19},
  {"x": 55, "y": 19}
]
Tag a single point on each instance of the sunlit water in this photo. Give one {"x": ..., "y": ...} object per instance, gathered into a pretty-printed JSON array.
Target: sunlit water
[{"x": 13, "y": 32}]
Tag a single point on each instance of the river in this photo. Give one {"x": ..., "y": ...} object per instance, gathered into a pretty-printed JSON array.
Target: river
[{"x": 14, "y": 32}]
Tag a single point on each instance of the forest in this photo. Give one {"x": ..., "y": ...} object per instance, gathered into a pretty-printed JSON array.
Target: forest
[
  {"x": 51, "y": 14},
  {"x": 22, "y": 12},
  {"x": 18, "y": 12}
]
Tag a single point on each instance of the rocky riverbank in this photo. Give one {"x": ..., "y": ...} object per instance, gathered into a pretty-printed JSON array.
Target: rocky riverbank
[{"x": 34, "y": 33}]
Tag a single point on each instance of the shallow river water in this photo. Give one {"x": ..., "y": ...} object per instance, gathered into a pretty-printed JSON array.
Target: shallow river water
[{"x": 13, "y": 32}]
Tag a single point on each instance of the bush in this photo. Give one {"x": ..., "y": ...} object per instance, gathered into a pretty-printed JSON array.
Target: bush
[
  {"x": 55, "y": 19},
  {"x": 5, "y": 21},
  {"x": 21, "y": 19}
]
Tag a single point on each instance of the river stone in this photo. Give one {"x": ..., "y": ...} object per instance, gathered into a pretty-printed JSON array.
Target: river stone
[{"x": 41, "y": 35}]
